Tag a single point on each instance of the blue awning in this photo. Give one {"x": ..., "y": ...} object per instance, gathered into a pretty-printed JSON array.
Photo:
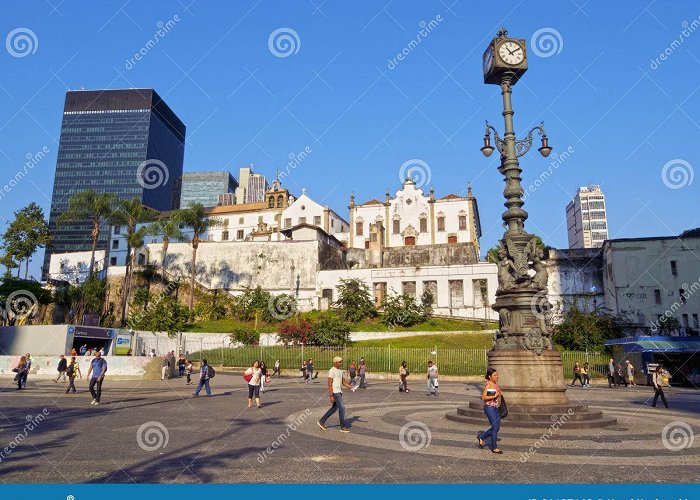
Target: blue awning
[{"x": 657, "y": 344}]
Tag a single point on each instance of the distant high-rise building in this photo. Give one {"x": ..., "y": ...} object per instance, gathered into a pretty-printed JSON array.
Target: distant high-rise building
[
  {"x": 586, "y": 218},
  {"x": 205, "y": 187},
  {"x": 125, "y": 142},
  {"x": 251, "y": 186},
  {"x": 257, "y": 185}
]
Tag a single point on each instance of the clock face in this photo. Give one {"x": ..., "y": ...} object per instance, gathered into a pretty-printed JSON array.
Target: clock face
[
  {"x": 511, "y": 53},
  {"x": 488, "y": 59}
]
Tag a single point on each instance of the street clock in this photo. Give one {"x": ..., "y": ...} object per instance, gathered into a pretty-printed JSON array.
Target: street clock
[{"x": 504, "y": 58}]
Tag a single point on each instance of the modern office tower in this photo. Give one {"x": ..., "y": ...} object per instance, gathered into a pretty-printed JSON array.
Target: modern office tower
[
  {"x": 205, "y": 187},
  {"x": 586, "y": 218},
  {"x": 126, "y": 142},
  {"x": 251, "y": 186},
  {"x": 257, "y": 185}
]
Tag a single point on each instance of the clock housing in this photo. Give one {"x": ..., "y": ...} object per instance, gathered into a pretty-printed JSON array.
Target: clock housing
[{"x": 504, "y": 57}]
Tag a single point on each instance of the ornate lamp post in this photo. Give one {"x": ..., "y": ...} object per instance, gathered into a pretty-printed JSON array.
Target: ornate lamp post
[{"x": 522, "y": 352}]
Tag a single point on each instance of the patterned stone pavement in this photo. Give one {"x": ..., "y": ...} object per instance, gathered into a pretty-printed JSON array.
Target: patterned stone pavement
[{"x": 154, "y": 432}]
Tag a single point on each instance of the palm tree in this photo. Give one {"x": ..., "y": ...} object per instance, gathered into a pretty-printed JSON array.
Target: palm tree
[
  {"x": 92, "y": 206},
  {"x": 131, "y": 213},
  {"x": 169, "y": 229},
  {"x": 195, "y": 218}
]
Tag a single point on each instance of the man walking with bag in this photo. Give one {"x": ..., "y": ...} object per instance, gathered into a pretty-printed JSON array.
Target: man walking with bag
[
  {"x": 62, "y": 365},
  {"x": 72, "y": 370},
  {"x": 335, "y": 390}
]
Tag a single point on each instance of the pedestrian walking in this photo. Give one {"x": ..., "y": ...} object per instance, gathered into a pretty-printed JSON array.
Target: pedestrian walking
[
  {"x": 403, "y": 374},
  {"x": 577, "y": 375},
  {"x": 188, "y": 371},
  {"x": 658, "y": 380},
  {"x": 181, "y": 365},
  {"x": 164, "y": 367},
  {"x": 277, "y": 370},
  {"x": 303, "y": 370},
  {"x": 335, "y": 391},
  {"x": 584, "y": 373},
  {"x": 98, "y": 368},
  {"x": 433, "y": 383},
  {"x": 630, "y": 373},
  {"x": 491, "y": 396},
  {"x": 62, "y": 365},
  {"x": 611, "y": 374},
  {"x": 21, "y": 372},
  {"x": 620, "y": 375},
  {"x": 263, "y": 376},
  {"x": 254, "y": 384},
  {"x": 352, "y": 372},
  {"x": 362, "y": 371},
  {"x": 28, "y": 357},
  {"x": 310, "y": 371},
  {"x": 72, "y": 370},
  {"x": 204, "y": 376},
  {"x": 73, "y": 352},
  {"x": 83, "y": 349}
]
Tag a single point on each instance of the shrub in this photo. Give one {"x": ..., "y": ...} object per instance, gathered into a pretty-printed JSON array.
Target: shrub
[
  {"x": 354, "y": 300},
  {"x": 247, "y": 336},
  {"x": 330, "y": 330},
  {"x": 295, "y": 331},
  {"x": 402, "y": 310}
]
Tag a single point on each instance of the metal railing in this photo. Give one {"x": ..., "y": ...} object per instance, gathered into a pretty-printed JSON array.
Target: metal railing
[{"x": 378, "y": 359}]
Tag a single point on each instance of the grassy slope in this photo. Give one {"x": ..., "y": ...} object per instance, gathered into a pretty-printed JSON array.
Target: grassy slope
[
  {"x": 446, "y": 341},
  {"x": 374, "y": 325}
]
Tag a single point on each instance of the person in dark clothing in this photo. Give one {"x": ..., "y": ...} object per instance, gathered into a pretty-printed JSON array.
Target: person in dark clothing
[
  {"x": 98, "y": 368},
  {"x": 72, "y": 370},
  {"x": 577, "y": 375},
  {"x": 181, "y": 365},
  {"x": 62, "y": 365},
  {"x": 658, "y": 381}
]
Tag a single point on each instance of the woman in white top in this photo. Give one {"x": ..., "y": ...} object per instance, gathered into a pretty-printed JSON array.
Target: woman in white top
[{"x": 254, "y": 384}]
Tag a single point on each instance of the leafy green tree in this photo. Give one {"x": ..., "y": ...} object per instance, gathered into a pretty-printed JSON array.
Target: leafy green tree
[
  {"x": 582, "y": 330},
  {"x": 25, "y": 234},
  {"x": 245, "y": 335},
  {"x": 402, "y": 310},
  {"x": 195, "y": 218},
  {"x": 7, "y": 260},
  {"x": 88, "y": 297},
  {"x": 91, "y": 206},
  {"x": 130, "y": 213},
  {"x": 167, "y": 228},
  {"x": 329, "y": 330},
  {"x": 427, "y": 299},
  {"x": 669, "y": 325},
  {"x": 354, "y": 300},
  {"x": 163, "y": 315},
  {"x": 18, "y": 297}
]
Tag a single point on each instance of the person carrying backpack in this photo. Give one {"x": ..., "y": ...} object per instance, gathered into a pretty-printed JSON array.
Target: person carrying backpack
[
  {"x": 352, "y": 372},
  {"x": 72, "y": 370},
  {"x": 205, "y": 373}
]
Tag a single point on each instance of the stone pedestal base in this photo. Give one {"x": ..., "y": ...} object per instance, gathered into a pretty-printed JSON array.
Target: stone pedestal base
[{"x": 527, "y": 378}]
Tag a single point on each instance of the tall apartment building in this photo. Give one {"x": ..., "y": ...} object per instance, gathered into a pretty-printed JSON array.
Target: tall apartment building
[
  {"x": 205, "y": 187},
  {"x": 586, "y": 218},
  {"x": 251, "y": 186},
  {"x": 125, "y": 142}
]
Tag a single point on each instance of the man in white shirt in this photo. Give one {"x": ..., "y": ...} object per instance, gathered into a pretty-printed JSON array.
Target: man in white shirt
[{"x": 335, "y": 390}]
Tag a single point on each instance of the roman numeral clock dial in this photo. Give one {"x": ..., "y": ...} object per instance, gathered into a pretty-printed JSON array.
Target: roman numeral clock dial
[{"x": 511, "y": 53}]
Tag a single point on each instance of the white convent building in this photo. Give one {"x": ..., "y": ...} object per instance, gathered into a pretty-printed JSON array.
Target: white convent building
[{"x": 412, "y": 218}]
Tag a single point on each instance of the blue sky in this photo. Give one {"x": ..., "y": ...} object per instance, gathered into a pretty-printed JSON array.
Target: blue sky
[{"x": 631, "y": 118}]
